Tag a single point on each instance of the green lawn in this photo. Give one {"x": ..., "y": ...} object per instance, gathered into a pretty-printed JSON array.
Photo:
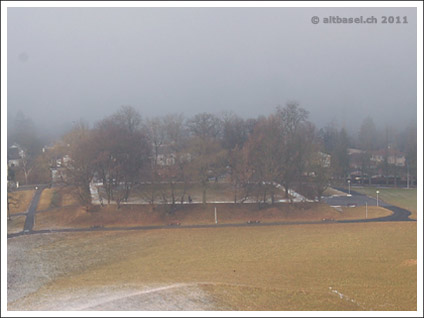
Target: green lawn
[{"x": 401, "y": 197}]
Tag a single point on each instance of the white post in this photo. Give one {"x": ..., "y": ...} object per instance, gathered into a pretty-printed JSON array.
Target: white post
[
  {"x": 348, "y": 182},
  {"x": 216, "y": 219},
  {"x": 366, "y": 210},
  {"x": 377, "y": 196},
  {"x": 407, "y": 176}
]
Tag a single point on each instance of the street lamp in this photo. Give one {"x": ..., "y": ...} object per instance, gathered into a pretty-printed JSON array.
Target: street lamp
[
  {"x": 377, "y": 195},
  {"x": 348, "y": 182}
]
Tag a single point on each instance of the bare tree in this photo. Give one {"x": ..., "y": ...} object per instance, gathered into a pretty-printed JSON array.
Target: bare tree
[
  {"x": 241, "y": 173},
  {"x": 122, "y": 150},
  {"x": 292, "y": 120},
  {"x": 321, "y": 173},
  {"x": 207, "y": 161},
  {"x": 80, "y": 170},
  {"x": 205, "y": 125},
  {"x": 234, "y": 131}
]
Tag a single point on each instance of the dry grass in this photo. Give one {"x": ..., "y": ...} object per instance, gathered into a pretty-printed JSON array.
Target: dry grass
[
  {"x": 68, "y": 198},
  {"x": 305, "y": 267},
  {"x": 20, "y": 200},
  {"x": 142, "y": 215},
  {"x": 16, "y": 224},
  {"x": 45, "y": 199},
  {"x": 56, "y": 197}
]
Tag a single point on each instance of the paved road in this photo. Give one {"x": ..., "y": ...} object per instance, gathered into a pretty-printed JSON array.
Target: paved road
[
  {"x": 30, "y": 216},
  {"x": 357, "y": 198},
  {"x": 360, "y": 199},
  {"x": 398, "y": 215}
]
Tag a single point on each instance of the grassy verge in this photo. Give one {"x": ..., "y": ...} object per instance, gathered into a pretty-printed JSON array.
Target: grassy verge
[
  {"x": 45, "y": 199},
  {"x": 143, "y": 215},
  {"x": 16, "y": 224},
  {"x": 401, "y": 197},
  {"x": 20, "y": 201},
  {"x": 306, "y": 267},
  {"x": 56, "y": 198}
]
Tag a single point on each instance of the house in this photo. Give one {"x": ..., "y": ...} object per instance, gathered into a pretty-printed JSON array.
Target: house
[
  {"x": 393, "y": 156},
  {"x": 166, "y": 156},
  {"x": 324, "y": 159},
  {"x": 355, "y": 158},
  {"x": 14, "y": 156},
  {"x": 58, "y": 163}
]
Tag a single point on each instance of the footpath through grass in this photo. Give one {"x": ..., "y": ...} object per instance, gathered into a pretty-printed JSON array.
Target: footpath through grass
[
  {"x": 401, "y": 197},
  {"x": 370, "y": 266}
]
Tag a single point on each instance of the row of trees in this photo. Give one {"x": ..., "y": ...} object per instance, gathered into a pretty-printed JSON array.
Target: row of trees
[{"x": 122, "y": 151}]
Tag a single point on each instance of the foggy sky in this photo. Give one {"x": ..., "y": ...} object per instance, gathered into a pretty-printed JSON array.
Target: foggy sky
[{"x": 68, "y": 63}]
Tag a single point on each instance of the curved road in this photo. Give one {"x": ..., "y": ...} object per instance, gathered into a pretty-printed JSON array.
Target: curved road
[
  {"x": 360, "y": 199},
  {"x": 399, "y": 215}
]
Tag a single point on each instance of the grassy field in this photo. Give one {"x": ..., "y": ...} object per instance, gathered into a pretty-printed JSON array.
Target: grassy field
[
  {"x": 401, "y": 197},
  {"x": 187, "y": 214},
  {"x": 45, "y": 199},
  {"x": 20, "y": 200},
  {"x": 55, "y": 198},
  {"x": 371, "y": 266},
  {"x": 16, "y": 224}
]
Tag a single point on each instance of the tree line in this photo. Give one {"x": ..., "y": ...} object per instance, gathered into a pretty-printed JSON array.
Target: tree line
[{"x": 124, "y": 151}]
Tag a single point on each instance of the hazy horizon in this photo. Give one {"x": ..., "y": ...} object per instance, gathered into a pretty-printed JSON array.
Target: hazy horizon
[{"x": 70, "y": 63}]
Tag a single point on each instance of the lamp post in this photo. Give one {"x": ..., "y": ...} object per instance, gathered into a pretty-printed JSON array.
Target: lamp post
[
  {"x": 377, "y": 195},
  {"x": 348, "y": 182}
]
